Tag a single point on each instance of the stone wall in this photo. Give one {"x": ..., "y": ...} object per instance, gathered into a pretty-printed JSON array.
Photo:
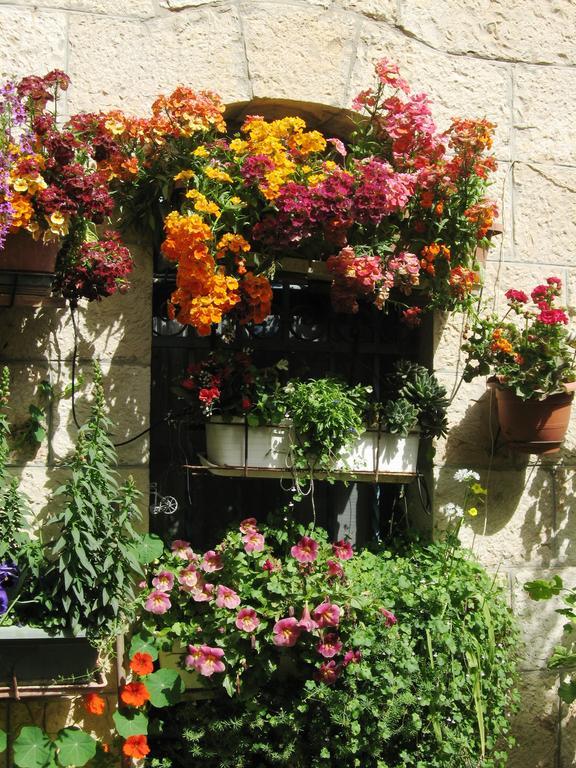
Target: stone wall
[{"x": 512, "y": 62}]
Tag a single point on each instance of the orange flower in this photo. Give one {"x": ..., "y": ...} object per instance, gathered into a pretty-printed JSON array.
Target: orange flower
[
  {"x": 134, "y": 694},
  {"x": 142, "y": 664},
  {"x": 136, "y": 747},
  {"x": 94, "y": 704}
]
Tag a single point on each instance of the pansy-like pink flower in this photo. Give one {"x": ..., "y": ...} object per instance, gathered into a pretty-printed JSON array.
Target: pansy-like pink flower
[
  {"x": 189, "y": 579},
  {"x": 329, "y": 646},
  {"x": 248, "y": 525},
  {"x": 212, "y": 561},
  {"x": 327, "y": 615},
  {"x": 205, "y": 660},
  {"x": 182, "y": 549},
  {"x": 328, "y": 672},
  {"x": 247, "y": 619},
  {"x": 335, "y": 569},
  {"x": 203, "y": 594},
  {"x": 286, "y": 632},
  {"x": 343, "y": 550},
  {"x": 157, "y": 602},
  {"x": 389, "y": 617},
  {"x": 306, "y": 550},
  {"x": 253, "y": 542},
  {"x": 351, "y": 657},
  {"x": 226, "y": 597},
  {"x": 164, "y": 581},
  {"x": 307, "y": 622}
]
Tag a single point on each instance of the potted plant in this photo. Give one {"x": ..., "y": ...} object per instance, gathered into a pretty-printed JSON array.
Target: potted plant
[
  {"x": 531, "y": 357},
  {"x": 51, "y": 199}
]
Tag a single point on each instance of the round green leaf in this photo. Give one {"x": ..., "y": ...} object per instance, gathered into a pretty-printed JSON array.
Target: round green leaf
[
  {"x": 143, "y": 643},
  {"x": 132, "y": 724},
  {"x": 33, "y": 748},
  {"x": 165, "y": 687},
  {"x": 3, "y": 740},
  {"x": 149, "y": 549},
  {"x": 75, "y": 747}
]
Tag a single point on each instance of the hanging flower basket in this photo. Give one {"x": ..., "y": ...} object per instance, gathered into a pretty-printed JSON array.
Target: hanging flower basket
[
  {"x": 27, "y": 268},
  {"x": 533, "y": 426}
]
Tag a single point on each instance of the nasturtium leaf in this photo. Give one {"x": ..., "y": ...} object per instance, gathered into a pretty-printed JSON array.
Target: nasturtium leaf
[
  {"x": 33, "y": 748},
  {"x": 165, "y": 687},
  {"x": 75, "y": 748},
  {"x": 567, "y": 691},
  {"x": 543, "y": 589},
  {"x": 149, "y": 549},
  {"x": 143, "y": 643},
  {"x": 3, "y": 740},
  {"x": 133, "y": 724}
]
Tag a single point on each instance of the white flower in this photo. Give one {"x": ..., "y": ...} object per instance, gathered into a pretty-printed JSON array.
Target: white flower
[
  {"x": 452, "y": 510},
  {"x": 466, "y": 475}
]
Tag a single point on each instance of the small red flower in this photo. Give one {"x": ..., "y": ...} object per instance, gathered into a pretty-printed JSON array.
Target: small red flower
[
  {"x": 134, "y": 694},
  {"x": 136, "y": 747},
  {"x": 94, "y": 704},
  {"x": 142, "y": 664}
]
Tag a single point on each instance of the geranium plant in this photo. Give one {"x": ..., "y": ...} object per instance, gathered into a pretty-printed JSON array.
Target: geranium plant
[{"x": 530, "y": 349}]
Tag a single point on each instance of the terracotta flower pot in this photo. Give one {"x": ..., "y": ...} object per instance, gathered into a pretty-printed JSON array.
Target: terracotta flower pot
[
  {"x": 533, "y": 426},
  {"x": 27, "y": 267}
]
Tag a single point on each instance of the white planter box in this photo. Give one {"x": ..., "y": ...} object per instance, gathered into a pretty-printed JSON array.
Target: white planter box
[{"x": 234, "y": 448}]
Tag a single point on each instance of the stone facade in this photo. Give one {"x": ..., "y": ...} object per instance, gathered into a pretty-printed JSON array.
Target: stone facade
[{"x": 512, "y": 62}]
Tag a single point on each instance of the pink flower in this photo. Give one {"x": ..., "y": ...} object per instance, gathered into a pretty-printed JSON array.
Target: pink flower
[
  {"x": 329, "y": 646},
  {"x": 226, "y": 597},
  {"x": 554, "y": 281},
  {"x": 514, "y": 295},
  {"x": 249, "y": 525},
  {"x": 189, "y": 579},
  {"x": 306, "y": 551},
  {"x": 157, "y": 602},
  {"x": 327, "y": 615},
  {"x": 388, "y": 74},
  {"x": 205, "y": 660},
  {"x": 182, "y": 549},
  {"x": 328, "y": 672},
  {"x": 203, "y": 594},
  {"x": 389, "y": 617},
  {"x": 247, "y": 619},
  {"x": 253, "y": 542},
  {"x": 307, "y": 622},
  {"x": 343, "y": 550},
  {"x": 338, "y": 146},
  {"x": 335, "y": 569},
  {"x": 539, "y": 293},
  {"x": 271, "y": 565},
  {"x": 163, "y": 581},
  {"x": 286, "y": 632},
  {"x": 212, "y": 561},
  {"x": 351, "y": 657},
  {"x": 552, "y": 317}
]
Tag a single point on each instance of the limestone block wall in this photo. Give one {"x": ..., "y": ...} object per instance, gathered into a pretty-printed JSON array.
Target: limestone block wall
[{"x": 510, "y": 61}]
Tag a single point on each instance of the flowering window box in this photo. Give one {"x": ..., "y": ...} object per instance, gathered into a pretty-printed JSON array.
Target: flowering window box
[{"x": 235, "y": 449}]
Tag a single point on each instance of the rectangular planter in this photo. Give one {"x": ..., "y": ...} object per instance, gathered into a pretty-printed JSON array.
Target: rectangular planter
[{"x": 26, "y": 270}]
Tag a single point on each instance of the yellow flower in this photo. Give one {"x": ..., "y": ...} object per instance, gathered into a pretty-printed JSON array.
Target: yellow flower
[
  {"x": 216, "y": 174},
  {"x": 202, "y": 204},
  {"x": 236, "y": 200},
  {"x": 316, "y": 178},
  {"x": 201, "y": 151},
  {"x": 115, "y": 126},
  {"x": 20, "y": 185},
  {"x": 478, "y": 489},
  {"x": 238, "y": 146},
  {"x": 472, "y": 511},
  {"x": 184, "y": 175}
]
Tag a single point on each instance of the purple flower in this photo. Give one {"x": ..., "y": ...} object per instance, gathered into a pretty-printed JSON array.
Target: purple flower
[
  {"x": 9, "y": 573},
  {"x": 3, "y": 601}
]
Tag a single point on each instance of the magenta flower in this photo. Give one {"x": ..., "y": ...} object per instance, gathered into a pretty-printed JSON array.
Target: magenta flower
[
  {"x": 327, "y": 615},
  {"x": 194, "y": 653},
  {"x": 212, "y": 561},
  {"x": 182, "y": 549},
  {"x": 514, "y": 295},
  {"x": 226, "y": 597},
  {"x": 205, "y": 660},
  {"x": 189, "y": 579},
  {"x": 329, "y": 646},
  {"x": 552, "y": 317},
  {"x": 248, "y": 525},
  {"x": 343, "y": 550},
  {"x": 253, "y": 542},
  {"x": 157, "y": 602},
  {"x": 328, "y": 672},
  {"x": 271, "y": 565},
  {"x": 306, "y": 551},
  {"x": 247, "y": 619},
  {"x": 286, "y": 632},
  {"x": 307, "y": 622},
  {"x": 203, "y": 593},
  {"x": 351, "y": 657},
  {"x": 335, "y": 569},
  {"x": 389, "y": 617},
  {"x": 163, "y": 581}
]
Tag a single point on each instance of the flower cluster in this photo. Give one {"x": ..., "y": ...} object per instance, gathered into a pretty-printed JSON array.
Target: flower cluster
[{"x": 529, "y": 350}]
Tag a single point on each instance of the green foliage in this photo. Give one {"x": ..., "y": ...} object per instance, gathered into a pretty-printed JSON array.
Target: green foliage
[
  {"x": 165, "y": 687},
  {"x": 75, "y": 748},
  {"x": 3, "y": 740},
  {"x": 92, "y": 557},
  {"x": 130, "y": 723},
  {"x": 435, "y": 689},
  {"x": 33, "y": 748},
  {"x": 412, "y": 388}
]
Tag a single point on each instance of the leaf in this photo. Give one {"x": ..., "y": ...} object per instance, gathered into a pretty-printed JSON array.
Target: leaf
[
  {"x": 143, "y": 643},
  {"x": 3, "y": 740},
  {"x": 134, "y": 724},
  {"x": 567, "y": 691},
  {"x": 543, "y": 589},
  {"x": 75, "y": 747},
  {"x": 149, "y": 549},
  {"x": 33, "y": 748},
  {"x": 165, "y": 687}
]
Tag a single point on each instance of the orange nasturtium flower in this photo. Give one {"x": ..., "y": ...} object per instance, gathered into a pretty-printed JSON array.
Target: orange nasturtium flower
[
  {"x": 134, "y": 694},
  {"x": 94, "y": 704},
  {"x": 142, "y": 664},
  {"x": 136, "y": 747}
]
